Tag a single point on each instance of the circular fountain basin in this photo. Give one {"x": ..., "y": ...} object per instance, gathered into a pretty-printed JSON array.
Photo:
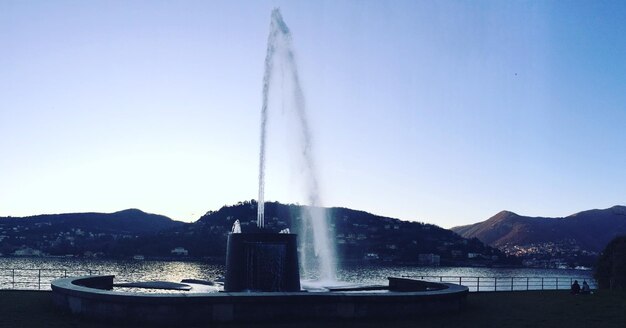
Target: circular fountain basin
[{"x": 91, "y": 296}]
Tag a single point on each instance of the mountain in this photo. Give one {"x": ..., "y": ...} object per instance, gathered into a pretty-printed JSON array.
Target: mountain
[
  {"x": 587, "y": 231},
  {"x": 126, "y": 221},
  {"x": 358, "y": 235},
  {"x": 75, "y": 233}
]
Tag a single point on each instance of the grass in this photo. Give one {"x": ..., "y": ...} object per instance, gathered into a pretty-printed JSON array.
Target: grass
[{"x": 490, "y": 309}]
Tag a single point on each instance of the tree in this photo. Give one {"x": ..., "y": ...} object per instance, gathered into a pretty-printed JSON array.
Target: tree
[{"x": 610, "y": 270}]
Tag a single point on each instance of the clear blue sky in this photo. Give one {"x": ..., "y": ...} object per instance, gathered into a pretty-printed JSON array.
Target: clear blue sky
[{"x": 439, "y": 111}]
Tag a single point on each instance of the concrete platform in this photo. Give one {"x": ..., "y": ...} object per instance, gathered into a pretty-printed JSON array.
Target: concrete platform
[{"x": 88, "y": 296}]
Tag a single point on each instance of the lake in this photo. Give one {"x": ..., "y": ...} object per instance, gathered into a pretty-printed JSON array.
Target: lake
[{"x": 35, "y": 273}]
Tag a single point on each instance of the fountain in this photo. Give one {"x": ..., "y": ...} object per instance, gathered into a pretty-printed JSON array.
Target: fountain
[
  {"x": 263, "y": 260},
  {"x": 280, "y": 58},
  {"x": 262, "y": 280}
]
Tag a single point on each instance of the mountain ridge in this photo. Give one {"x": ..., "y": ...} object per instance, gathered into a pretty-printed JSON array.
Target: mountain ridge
[
  {"x": 357, "y": 232},
  {"x": 141, "y": 221},
  {"x": 359, "y": 235},
  {"x": 590, "y": 229}
]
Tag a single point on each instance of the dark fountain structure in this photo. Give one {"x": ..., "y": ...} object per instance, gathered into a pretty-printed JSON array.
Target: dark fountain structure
[
  {"x": 262, "y": 278},
  {"x": 263, "y": 262}
]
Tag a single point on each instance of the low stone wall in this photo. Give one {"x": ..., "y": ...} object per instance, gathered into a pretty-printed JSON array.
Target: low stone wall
[{"x": 197, "y": 308}]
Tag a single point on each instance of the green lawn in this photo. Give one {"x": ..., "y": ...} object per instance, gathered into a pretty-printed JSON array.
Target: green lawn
[{"x": 496, "y": 309}]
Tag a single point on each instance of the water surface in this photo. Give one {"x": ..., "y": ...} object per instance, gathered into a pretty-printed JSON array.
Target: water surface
[{"x": 29, "y": 273}]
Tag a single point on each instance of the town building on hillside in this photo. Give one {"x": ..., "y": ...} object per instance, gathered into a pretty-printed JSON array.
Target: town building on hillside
[
  {"x": 428, "y": 259},
  {"x": 371, "y": 257},
  {"x": 180, "y": 251},
  {"x": 27, "y": 252}
]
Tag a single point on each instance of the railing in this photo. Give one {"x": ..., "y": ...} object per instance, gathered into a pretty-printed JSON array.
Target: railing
[
  {"x": 36, "y": 279},
  {"x": 40, "y": 279},
  {"x": 491, "y": 284}
]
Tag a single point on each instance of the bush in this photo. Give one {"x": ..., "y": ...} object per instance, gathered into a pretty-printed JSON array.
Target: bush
[{"x": 610, "y": 270}]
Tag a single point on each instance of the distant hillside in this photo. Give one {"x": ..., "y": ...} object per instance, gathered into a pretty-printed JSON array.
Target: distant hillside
[
  {"x": 358, "y": 236},
  {"x": 126, "y": 221},
  {"x": 588, "y": 230},
  {"x": 75, "y": 233},
  {"x": 357, "y": 233}
]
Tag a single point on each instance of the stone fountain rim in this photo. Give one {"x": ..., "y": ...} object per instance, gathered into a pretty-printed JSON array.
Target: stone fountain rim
[
  {"x": 206, "y": 308},
  {"x": 71, "y": 286}
]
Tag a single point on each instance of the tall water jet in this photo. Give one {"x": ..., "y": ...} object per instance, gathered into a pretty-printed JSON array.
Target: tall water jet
[{"x": 280, "y": 51}]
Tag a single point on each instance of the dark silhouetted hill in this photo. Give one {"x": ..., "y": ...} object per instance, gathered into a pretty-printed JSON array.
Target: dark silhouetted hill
[
  {"x": 77, "y": 233},
  {"x": 356, "y": 233},
  {"x": 126, "y": 221},
  {"x": 588, "y": 230},
  {"x": 358, "y": 236}
]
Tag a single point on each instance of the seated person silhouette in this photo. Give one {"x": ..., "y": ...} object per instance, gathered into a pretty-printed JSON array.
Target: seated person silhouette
[
  {"x": 585, "y": 289},
  {"x": 575, "y": 287}
]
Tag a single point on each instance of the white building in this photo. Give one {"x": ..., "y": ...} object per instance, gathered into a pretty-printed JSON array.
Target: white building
[
  {"x": 27, "y": 252},
  {"x": 180, "y": 251}
]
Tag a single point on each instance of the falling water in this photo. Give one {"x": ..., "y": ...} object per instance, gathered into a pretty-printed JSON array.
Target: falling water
[{"x": 280, "y": 51}]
